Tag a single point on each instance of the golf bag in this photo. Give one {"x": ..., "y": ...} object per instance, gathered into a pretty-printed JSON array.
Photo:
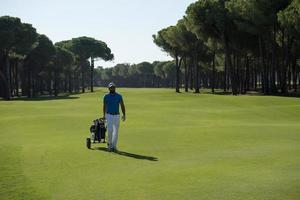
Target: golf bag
[{"x": 98, "y": 130}]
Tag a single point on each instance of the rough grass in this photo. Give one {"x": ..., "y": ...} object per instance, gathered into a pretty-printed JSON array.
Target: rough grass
[{"x": 174, "y": 146}]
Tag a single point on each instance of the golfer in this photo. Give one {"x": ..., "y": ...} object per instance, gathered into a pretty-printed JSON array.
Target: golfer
[{"x": 111, "y": 102}]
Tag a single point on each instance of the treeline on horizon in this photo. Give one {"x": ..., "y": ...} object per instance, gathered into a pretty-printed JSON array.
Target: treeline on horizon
[
  {"x": 233, "y": 45},
  {"x": 148, "y": 75}
]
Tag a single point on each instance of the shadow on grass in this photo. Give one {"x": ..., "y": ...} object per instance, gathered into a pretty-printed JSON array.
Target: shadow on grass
[
  {"x": 130, "y": 155},
  {"x": 293, "y": 95},
  {"x": 219, "y": 93},
  {"x": 46, "y": 98},
  {"x": 254, "y": 93}
]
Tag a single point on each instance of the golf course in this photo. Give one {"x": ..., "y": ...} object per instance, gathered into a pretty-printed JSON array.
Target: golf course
[{"x": 172, "y": 146}]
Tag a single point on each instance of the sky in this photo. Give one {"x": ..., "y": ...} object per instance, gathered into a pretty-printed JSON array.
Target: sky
[{"x": 126, "y": 26}]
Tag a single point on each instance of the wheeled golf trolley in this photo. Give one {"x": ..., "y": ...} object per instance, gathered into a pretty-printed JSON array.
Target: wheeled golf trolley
[{"x": 98, "y": 130}]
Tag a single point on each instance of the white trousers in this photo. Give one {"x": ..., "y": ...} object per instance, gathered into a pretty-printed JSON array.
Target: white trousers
[{"x": 113, "y": 123}]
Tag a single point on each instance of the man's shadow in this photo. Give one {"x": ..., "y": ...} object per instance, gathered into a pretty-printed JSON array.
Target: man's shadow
[{"x": 131, "y": 155}]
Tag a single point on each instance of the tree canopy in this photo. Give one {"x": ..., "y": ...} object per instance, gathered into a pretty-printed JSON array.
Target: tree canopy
[{"x": 30, "y": 60}]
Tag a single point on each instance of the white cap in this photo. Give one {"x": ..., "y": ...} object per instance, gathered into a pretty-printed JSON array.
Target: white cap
[{"x": 111, "y": 85}]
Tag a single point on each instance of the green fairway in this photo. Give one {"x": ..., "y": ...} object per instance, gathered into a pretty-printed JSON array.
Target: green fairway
[{"x": 173, "y": 146}]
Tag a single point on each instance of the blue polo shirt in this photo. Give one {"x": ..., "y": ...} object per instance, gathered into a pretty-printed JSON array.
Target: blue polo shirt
[{"x": 112, "y": 102}]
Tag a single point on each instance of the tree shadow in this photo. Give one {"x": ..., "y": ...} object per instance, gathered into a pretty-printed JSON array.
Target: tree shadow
[
  {"x": 130, "y": 155},
  {"x": 256, "y": 93},
  {"x": 277, "y": 94},
  {"x": 224, "y": 93},
  {"x": 46, "y": 98}
]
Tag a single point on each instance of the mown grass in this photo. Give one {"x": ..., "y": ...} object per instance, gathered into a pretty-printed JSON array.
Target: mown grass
[{"x": 174, "y": 146}]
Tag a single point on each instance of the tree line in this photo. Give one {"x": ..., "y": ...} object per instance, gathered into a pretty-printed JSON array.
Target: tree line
[
  {"x": 233, "y": 45},
  {"x": 31, "y": 65},
  {"x": 157, "y": 74},
  {"x": 145, "y": 74},
  {"x": 236, "y": 45}
]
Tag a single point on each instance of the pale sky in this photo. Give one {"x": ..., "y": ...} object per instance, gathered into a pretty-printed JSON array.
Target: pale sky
[{"x": 126, "y": 26}]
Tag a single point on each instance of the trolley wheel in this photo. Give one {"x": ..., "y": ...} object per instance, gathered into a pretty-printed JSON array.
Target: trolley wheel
[{"x": 88, "y": 143}]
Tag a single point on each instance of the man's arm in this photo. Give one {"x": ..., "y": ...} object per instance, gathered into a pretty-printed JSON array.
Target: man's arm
[
  {"x": 123, "y": 110},
  {"x": 104, "y": 108}
]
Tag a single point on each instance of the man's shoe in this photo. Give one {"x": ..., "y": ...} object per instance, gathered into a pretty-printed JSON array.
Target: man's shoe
[
  {"x": 109, "y": 149},
  {"x": 115, "y": 150}
]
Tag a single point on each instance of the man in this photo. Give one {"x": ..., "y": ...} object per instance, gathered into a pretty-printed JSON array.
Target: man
[{"x": 111, "y": 102}]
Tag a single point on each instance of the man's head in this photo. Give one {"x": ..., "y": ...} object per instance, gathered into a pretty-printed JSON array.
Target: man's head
[{"x": 112, "y": 87}]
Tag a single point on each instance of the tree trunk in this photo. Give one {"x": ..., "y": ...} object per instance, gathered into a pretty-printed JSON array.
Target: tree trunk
[
  {"x": 247, "y": 76},
  {"x": 196, "y": 80},
  {"x": 82, "y": 79},
  {"x": 255, "y": 76},
  {"x": 229, "y": 65},
  {"x": 273, "y": 62},
  {"x": 265, "y": 72},
  {"x": 3, "y": 85},
  {"x": 283, "y": 65},
  {"x": 233, "y": 74},
  {"x": 70, "y": 80},
  {"x": 28, "y": 83},
  {"x": 76, "y": 82},
  {"x": 17, "y": 78},
  {"x": 191, "y": 72},
  {"x": 225, "y": 75},
  {"x": 213, "y": 73},
  {"x": 65, "y": 83},
  {"x": 295, "y": 74},
  {"x": 186, "y": 76},
  {"x": 55, "y": 83},
  {"x": 177, "y": 74},
  {"x": 33, "y": 79},
  {"x": 7, "y": 76},
  {"x": 92, "y": 74},
  {"x": 12, "y": 77},
  {"x": 231, "y": 68}
]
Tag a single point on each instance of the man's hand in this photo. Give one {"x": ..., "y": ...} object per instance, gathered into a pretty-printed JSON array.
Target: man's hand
[
  {"x": 123, "y": 110},
  {"x": 123, "y": 118}
]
